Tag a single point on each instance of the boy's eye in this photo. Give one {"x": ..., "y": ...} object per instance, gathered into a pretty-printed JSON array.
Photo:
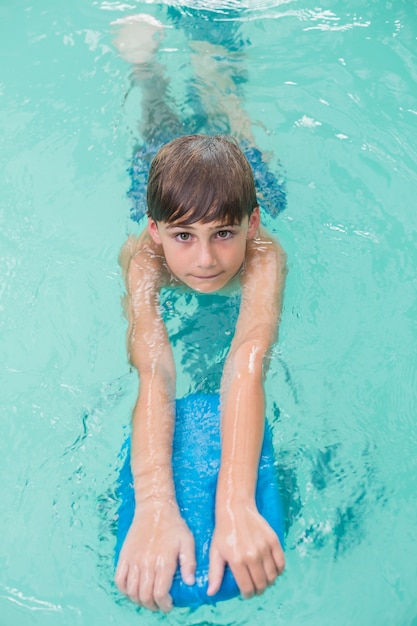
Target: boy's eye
[
  {"x": 183, "y": 236},
  {"x": 224, "y": 234}
]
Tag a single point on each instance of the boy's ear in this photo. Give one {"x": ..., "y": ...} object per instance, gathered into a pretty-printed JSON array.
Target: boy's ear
[
  {"x": 153, "y": 230},
  {"x": 254, "y": 222}
]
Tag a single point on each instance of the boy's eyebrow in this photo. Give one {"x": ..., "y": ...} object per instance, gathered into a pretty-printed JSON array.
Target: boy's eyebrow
[{"x": 191, "y": 227}]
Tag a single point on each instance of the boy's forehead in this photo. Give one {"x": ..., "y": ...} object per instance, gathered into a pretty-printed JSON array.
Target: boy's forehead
[{"x": 213, "y": 225}]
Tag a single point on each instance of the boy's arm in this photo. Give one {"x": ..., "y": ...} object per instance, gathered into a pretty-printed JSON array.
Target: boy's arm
[
  {"x": 242, "y": 537},
  {"x": 158, "y": 537}
]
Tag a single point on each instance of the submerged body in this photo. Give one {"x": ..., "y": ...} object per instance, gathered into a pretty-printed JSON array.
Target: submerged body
[
  {"x": 207, "y": 257},
  {"x": 203, "y": 234}
]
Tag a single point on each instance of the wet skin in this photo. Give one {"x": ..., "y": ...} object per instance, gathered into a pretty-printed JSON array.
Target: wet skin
[{"x": 205, "y": 257}]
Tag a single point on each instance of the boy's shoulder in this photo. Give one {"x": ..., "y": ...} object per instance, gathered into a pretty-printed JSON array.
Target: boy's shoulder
[
  {"x": 139, "y": 255},
  {"x": 143, "y": 264},
  {"x": 265, "y": 266},
  {"x": 265, "y": 246}
]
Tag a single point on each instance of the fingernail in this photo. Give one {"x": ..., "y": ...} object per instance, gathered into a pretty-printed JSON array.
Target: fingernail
[
  {"x": 189, "y": 579},
  {"x": 168, "y": 607}
]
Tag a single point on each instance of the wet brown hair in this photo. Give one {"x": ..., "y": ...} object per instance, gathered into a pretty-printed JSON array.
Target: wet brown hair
[{"x": 201, "y": 178}]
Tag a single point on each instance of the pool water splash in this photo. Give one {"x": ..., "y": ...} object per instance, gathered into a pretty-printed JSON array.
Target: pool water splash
[
  {"x": 353, "y": 491},
  {"x": 332, "y": 94}
]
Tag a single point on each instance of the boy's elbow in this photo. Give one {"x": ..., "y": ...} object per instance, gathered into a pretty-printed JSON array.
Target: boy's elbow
[
  {"x": 250, "y": 356},
  {"x": 153, "y": 366}
]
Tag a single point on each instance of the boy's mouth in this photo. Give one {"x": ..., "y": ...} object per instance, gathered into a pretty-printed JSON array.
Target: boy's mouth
[{"x": 210, "y": 277}]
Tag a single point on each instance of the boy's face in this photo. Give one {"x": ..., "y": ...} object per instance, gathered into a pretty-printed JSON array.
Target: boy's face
[{"x": 205, "y": 257}]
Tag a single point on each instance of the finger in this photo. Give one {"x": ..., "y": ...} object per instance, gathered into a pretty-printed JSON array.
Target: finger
[
  {"x": 271, "y": 570},
  {"x": 187, "y": 560},
  {"x": 279, "y": 558},
  {"x": 120, "y": 576},
  {"x": 162, "y": 598},
  {"x": 244, "y": 581},
  {"x": 216, "y": 571},
  {"x": 163, "y": 581},
  {"x": 132, "y": 584},
  {"x": 146, "y": 590},
  {"x": 258, "y": 576}
]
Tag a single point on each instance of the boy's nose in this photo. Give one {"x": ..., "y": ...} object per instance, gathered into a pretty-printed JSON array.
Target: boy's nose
[{"x": 206, "y": 258}]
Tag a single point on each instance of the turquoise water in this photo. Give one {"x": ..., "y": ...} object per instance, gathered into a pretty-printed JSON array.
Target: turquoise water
[{"x": 332, "y": 92}]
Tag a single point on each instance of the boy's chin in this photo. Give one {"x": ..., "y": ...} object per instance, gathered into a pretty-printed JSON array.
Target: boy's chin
[
  {"x": 207, "y": 289},
  {"x": 218, "y": 286},
  {"x": 203, "y": 288}
]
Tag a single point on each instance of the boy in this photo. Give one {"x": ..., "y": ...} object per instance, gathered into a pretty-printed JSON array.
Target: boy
[{"x": 203, "y": 233}]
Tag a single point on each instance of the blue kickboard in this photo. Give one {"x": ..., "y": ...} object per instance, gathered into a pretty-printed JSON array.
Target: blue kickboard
[{"x": 196, "y": 462}]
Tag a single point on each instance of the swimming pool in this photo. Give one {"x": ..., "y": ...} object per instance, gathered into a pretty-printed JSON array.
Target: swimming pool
[{"x": 333, "y": 95}]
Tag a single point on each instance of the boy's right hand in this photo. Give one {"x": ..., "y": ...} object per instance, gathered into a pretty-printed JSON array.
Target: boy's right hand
[{"x": 157, "y": 540}]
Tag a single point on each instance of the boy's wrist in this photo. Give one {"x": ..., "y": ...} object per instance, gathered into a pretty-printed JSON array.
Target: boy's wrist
[
  {"x": 234, "y": 502},
  {"x": 154, "y": 486},
  {"x": 155, "y": 503},
  {"x": 235, "y": 486}
]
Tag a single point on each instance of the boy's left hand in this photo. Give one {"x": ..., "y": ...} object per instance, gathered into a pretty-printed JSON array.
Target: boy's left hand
[{"x": 245, "y": 541}]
